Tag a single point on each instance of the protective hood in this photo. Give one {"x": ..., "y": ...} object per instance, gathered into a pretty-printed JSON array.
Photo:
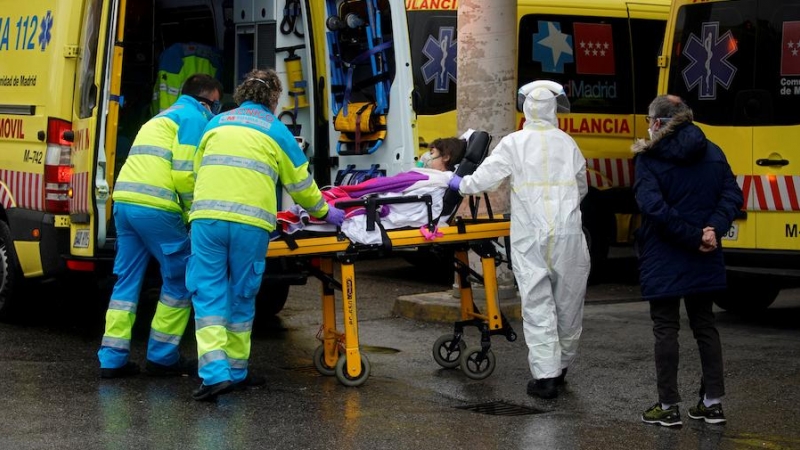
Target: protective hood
[{"x": 541, "y": 100}]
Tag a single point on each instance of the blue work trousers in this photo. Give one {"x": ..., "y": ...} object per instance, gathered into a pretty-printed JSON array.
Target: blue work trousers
[
  {"x": 223, "y": 276},
  {"x": 144, "y": 232}
]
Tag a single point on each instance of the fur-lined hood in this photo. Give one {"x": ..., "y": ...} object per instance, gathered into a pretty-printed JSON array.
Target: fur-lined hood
[{"x": 679, "y": 141}]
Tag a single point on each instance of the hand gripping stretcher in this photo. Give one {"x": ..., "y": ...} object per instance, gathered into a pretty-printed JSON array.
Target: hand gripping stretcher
[{"x": 339, "y": 352}]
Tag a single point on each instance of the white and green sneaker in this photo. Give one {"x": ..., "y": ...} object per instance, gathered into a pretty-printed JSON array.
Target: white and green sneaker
[{"x": 665, "y": 417}]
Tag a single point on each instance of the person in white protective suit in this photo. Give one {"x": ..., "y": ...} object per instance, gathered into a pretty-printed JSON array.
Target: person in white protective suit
[{"x": 549, "y": 255}]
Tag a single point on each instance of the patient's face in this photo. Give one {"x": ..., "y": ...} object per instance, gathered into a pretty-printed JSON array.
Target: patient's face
[{"x": 435, "y": 160}]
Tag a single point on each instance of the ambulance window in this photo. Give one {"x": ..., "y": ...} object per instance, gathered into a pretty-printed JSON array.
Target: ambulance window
[
  {"x": 432, "y": 36},
  {"x": 779, "y": 56},
  {"x": 87, "y": 99},
  {"x": 718, "y": 85},
  {"x": 590, "y": 56},
  {"x": 646, "y": 48}
]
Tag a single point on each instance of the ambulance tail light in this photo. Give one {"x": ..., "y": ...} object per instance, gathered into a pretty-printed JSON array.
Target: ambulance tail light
[{"x": 57, "y": 166}]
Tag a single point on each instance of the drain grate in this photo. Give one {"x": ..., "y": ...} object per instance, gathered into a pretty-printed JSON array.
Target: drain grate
[{"x": 499, "y": 408}]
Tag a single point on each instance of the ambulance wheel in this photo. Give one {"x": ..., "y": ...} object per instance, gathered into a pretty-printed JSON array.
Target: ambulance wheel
[
  {"x": 345, "y": 378},
  {"x": 10, "y": 274},
  {"x": 745, "y": 296},
  {"x": 476, "y": 365},
  {"x": 271, "y": 298},
  {"x": 444, "y": 355},
  {"x": 319, "y": 362}
]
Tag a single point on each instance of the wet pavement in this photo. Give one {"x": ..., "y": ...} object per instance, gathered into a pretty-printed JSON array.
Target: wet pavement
[{"x": 53, "y": 398}]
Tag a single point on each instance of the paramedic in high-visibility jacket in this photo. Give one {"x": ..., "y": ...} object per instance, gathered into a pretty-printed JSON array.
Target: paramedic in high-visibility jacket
[
  {"x": 243, "y": 154},
  {"x": 152, "y": 197}
]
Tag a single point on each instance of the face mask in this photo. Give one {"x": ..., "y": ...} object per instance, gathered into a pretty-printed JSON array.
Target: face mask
[
  {"x": 650, "y": 132},
  {"x": 426, "y": 159}
]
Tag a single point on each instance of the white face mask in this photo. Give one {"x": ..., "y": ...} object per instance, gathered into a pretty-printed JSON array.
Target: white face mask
[{"x": 650, "y": 132}]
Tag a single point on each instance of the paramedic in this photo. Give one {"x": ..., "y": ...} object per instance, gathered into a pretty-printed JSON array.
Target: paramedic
[
  {"x": 243, "y": 154},
  {"x": 152, "y": 197},
  {"x": 688, "y": 196},
  {"x": 549, "y": 255}
]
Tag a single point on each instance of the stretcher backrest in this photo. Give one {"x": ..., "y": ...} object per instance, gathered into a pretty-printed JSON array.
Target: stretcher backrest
[{"x": 477, "y": 149}]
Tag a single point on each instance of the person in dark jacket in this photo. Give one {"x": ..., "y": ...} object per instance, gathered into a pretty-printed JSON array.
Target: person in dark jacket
[{"x": 688, "y": 197}]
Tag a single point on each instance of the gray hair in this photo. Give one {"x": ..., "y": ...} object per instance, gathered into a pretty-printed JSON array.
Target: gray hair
[
  {"x": 669, "y": 106},
  {"x": 260, "y": 86}
]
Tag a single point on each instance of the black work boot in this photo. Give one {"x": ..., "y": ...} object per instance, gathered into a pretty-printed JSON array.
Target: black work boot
[
  {"x": 561, "y": 378},
  {"x": 546, "y": 388},
  {"x": 130, "y": 368},
  {"x": 182, "y": 368},
  {"x": 211, "y": 391}
]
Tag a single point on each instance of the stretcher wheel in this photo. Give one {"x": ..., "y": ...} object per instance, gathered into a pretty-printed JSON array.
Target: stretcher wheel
[
  {"x": 476, "y": 365},
  {"x": 319, "y": 362},
  {"x": 345, "y": 378},
  {"x": 445, "y": 355}
]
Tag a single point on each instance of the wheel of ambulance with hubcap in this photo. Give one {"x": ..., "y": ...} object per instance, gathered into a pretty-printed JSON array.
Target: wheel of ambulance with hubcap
[
  {"x": 345, "y": 378},
  {"x": 476, "y": 365},
  {"x": 444, "y": 355},
  {"x": 319, "y": 362}
]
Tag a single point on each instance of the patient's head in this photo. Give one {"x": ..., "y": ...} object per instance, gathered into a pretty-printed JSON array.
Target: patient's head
[{"x": 445, "y": 153}]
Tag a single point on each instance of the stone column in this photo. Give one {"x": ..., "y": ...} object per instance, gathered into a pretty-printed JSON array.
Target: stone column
[{"x": 486, "y": 95}]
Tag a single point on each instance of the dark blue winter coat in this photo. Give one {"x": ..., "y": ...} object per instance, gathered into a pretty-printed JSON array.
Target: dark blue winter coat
[{"x": 683, "y": 184}]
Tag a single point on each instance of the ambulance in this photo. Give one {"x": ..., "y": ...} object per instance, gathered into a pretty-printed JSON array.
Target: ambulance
[
  {"x": 604, "y": 53},
  {"x": 79, "y": 77},
  {"x": 737, "y": 65}
]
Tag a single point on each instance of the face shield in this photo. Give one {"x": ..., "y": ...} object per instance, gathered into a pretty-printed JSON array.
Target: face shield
[{"x": 562, "y": 102}]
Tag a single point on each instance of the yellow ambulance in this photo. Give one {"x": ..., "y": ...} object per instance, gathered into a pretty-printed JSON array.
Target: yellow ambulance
[
  {"x": 737, "y": 64},
  {"x": 604, "y": 53}
]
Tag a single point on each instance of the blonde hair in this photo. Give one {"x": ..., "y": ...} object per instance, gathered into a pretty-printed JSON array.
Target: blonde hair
[{"x": 260, "y": 86}]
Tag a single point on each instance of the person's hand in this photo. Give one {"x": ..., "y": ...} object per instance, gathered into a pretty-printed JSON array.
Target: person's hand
[
  {"x": 709, "y": 243},
  {"x": 335, "y": 216},
  {"x": 454, "y": 183}
]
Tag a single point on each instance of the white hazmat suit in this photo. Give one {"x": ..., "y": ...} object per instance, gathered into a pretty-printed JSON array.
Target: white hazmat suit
[{"x": 549, "y": 254}]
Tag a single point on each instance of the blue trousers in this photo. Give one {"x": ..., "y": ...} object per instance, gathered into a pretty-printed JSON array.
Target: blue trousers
[
  {"x": 223, "y": 276},
  {"x": 142, "y": 233}
]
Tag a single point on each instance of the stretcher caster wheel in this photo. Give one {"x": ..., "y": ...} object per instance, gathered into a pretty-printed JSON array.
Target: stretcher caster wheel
[
  {"x": 446, "y": 354},
  {"x": 476, "y": 365},
  {"x": 319, "y": 362},
  {"x": 345, "y": 378}
]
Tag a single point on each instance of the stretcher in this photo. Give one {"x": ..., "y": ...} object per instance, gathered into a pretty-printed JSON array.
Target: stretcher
[{"x": 339, "y": 353}]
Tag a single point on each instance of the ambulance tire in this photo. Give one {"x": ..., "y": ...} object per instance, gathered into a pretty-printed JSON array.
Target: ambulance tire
[
  {"x": 744, "y": 297},
  {"x": 271, "y": 299},
  {"x": 10, "y": 273}
]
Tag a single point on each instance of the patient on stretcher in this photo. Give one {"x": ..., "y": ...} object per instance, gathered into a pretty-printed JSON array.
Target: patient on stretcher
[{"x": 435, "y": 170}]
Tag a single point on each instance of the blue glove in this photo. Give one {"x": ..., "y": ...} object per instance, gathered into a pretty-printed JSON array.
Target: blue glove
[
  {"x": 335, "y": 216},
  {"x": 454, "y": 183}
]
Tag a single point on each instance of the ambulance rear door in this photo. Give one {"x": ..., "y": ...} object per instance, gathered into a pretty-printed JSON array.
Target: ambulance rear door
[{"x": 94, "y": 124}]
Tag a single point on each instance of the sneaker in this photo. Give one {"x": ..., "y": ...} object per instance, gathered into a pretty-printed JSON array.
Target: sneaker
[
  {"x": 545, "y": 388},
  {"x": 668, "y": 418},
  {"x": 211, "y": 391},
  {"x": 182, "y": 368},
  {"x": 251, "y": 381},
  {"x": 130, "y": 368},
  {"x": 711, "y": 414}
]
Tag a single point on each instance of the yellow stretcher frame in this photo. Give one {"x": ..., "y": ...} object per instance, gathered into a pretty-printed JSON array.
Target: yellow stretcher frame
[{"x": 353, "y": 368}]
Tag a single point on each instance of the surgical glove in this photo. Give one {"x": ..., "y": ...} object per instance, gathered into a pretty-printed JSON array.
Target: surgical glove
[
  {"x": 335, "y": 216},
  {"x": 454, "y": 183}
]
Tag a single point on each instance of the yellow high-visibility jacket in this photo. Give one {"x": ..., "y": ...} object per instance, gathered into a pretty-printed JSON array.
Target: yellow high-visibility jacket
[
  {"x": 177, "y": 63},
  {"x": 158, "y": 172},
  {"x": 241, "y": 157}
]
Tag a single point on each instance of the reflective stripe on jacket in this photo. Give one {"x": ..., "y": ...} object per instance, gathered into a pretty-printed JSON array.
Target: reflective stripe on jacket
[
  {"x": 158, "y": 171},
  {"x": 242, "y": 155}
]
